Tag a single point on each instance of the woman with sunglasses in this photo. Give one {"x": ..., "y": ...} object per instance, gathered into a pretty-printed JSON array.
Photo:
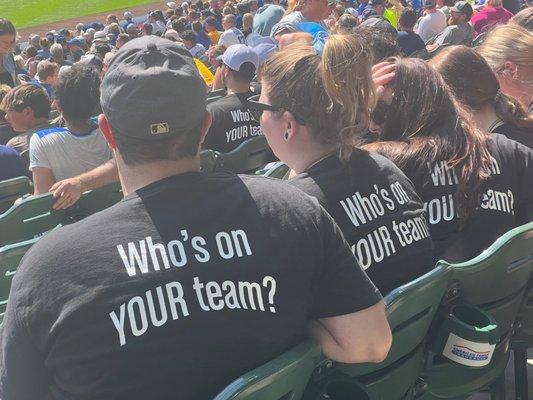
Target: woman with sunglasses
[
  {"x": 475, "y": 186},
  {"x": 311, "y": 111},
  {"x": 8, "y": 35}
]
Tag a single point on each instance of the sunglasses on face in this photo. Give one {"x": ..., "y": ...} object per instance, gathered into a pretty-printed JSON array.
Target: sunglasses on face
[
  {"x": 381, "y": 112},
  {"x": 256, "y": 108}
]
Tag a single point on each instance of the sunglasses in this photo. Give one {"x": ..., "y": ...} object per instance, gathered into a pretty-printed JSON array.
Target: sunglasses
[
  {"x": 381, "y": 112},
  {"x": 256, "y": 108}
]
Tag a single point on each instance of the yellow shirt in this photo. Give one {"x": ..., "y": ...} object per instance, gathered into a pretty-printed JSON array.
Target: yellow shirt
[
  {"x": 390, "y": 16},
  {"x": 204, "y": 71},
  {"x": 214, "y": 36}
]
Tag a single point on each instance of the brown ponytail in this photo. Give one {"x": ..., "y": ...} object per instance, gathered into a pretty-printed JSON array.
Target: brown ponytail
[
  {"x": 475, "y": 85},
  {"x": 333, "y": 94}
]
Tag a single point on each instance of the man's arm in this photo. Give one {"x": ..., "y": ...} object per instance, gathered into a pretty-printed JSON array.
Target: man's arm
[
  {"x": 43, "y": 179},
  {"x": 359, "y": 337},
  {"x": 68, "y": 191}
]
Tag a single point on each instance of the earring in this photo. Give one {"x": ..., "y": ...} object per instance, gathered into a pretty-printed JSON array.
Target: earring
[{"x": 286, "y": 135}]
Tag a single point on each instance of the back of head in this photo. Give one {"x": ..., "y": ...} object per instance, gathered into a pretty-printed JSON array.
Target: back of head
[
  {"x": 347, "y": 22},
  {"x": 475, "y": 84},
  {"x": 495, "y": 3},
  {"x": 332, "y": 95},
  {"x": 155, "y": 101},
  {"x": 381, "y": 42},
  {"x": 46, "y": 69},
  {"x": 508, "y": 43},
  {"x": 425, "y": 125},
  {"x": 524, "y": 19},
  {"x": 408, "y": 18},
  {"x": 56, "y": 51},
  {"x": 7, "y": 28},
  {"x": 28, "y": 95},
  {"x": 77, "y": 92}
]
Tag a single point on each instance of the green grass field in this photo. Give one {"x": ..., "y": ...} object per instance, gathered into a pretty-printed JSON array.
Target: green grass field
[{"x": 25, "y": 13}]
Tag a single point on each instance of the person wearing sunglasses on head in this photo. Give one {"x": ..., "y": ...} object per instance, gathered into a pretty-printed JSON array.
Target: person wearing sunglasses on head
[
  {"x": 475, "y": 186},
  {"x": 312, "y": 111}
]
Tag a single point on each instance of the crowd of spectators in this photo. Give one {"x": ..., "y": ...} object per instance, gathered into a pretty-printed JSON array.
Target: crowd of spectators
[{"x": 407, "y": 126}]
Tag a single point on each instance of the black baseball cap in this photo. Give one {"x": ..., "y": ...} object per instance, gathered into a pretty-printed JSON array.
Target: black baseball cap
[{"x": 152, "y": 90}]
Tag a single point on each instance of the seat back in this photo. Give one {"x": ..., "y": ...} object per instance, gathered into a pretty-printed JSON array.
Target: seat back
[
  {"x": 283, "y": 378},
  {"x": 96, "y": 200},
  {"x": 249, "y": 156},
  {"x": 523, "y": 335},
  {"x": 495, "y": 281},
  {"x": 410, "y": 311},
  {"x": 11, "y": 190},
  {"x": 277, "y": 169},
  {"x": 29, "y": 219},
  {"x": 10, "y": 257},
  {"x": 208, "y": 160}
]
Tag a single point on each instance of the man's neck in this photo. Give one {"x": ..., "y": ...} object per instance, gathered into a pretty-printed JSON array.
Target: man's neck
[
  {"x": 78, "y": 126},
  {"x": 234, "y": 88},
  {"x": 135, "y": 177},
  {"x": 309, "y": 16}
]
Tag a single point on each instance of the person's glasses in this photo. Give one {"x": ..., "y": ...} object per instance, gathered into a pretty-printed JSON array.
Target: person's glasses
[{"x": 256, "y": 108}]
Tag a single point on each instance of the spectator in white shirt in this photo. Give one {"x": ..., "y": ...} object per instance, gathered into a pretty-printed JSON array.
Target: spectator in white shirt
[{"x": 433, "y": 23}]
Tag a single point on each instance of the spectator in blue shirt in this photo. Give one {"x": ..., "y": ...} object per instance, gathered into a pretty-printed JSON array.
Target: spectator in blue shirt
[
  {"x": 408, "y": 40},
  {"x": 11, "y": 165}
]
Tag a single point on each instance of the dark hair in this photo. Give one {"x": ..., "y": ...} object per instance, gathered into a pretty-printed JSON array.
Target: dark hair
[
  {"x": 136, "y": 151},
  {"x": 78, "y": 92},
  {"x": 332, "y": 95},
  {"x": 347, "y": 21},
  {"x": 425, "y": 125},
  {"x": 475, "y": 84},
  {"x": 197, "y": 26},
  {"x": 27, "y": 95},
  {"x": 188, "y": 35},
  {"x": 31, "y": 51},
  {"x": 7, "y": 28},
  {"x": 380, "y": 42},
  {"x": 245, "y": 74},
  {"x": 524, "y": 18},
  {"x": 102, "y": 49},
  {"x": 408, "y": 18},
  {"x": 212, "y": 21},
  {"x": 243, "y": 8},
  {"x": 148, "y": 28},
  {"x": 180, "y": 24}
]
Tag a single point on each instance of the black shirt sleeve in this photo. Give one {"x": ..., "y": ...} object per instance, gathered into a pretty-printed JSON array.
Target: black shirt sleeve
[
  {"x": 524, "y": 160},
  {"x": 341, "y": 286}
]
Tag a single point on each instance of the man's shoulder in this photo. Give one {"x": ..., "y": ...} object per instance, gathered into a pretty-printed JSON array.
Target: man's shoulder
[{"x": 50, "y": 132}]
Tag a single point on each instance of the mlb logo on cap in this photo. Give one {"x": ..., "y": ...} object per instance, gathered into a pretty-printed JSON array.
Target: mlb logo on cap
[{"x": 160, "y": 128}]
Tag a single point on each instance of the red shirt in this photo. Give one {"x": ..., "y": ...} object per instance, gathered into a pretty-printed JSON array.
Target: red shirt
[{"x": 485, "y": 19}]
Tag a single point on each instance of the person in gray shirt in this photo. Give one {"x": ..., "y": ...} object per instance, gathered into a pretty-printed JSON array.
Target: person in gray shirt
[
  {"x": 459, "y": 31},
  {"x": 266, "y": 17}
]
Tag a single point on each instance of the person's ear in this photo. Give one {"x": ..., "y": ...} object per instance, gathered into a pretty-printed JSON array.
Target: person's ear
[
  {"x": 291, "y": 126},
  {"x": 103, "y": 124},
  {"x": 206, "y": 124},
  {"x": 510, "y": 69}
]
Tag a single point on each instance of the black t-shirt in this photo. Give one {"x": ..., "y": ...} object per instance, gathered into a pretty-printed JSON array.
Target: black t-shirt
[
  {"x": 506, "y": 201},
  {"x": 520, "y": 135},
  {"x": 379, "y": 213},
  {"x": 175, "y": 291},
  {"x": 232, "y": 123}
]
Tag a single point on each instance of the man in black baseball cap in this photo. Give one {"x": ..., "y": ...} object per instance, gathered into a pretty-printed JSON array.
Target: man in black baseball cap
[
  {"x": 459, "y": 31},
  {"x": 190, "y": 281}
]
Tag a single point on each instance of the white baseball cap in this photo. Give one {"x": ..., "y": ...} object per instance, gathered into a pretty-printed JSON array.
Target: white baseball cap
[{"x": 238, "y": 54}]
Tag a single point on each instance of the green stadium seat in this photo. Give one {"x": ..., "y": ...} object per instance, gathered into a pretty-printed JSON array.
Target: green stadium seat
[
  {"x": 248, "y": 157},
  {"x": 12, "y": 189},
  {"x": 283, "y": 378},
  {"x": 208, "y": 160},
  {"x": 29, "y": 219},
  {"x": 10, "y": 257},
  {"x": 211, "y": 99},
  {"x": 277, "y": 169},
  {"x": 25, "y": 156},
  {"x": 95, "y": 200},
  {"x": 496, "y": 282},
  {"x": 410, "y": 311},
  {"x": 216, "y": 93}
]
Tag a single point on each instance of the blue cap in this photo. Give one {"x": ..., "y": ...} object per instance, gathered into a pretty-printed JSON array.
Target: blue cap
[{"x": 75, "y": 42}]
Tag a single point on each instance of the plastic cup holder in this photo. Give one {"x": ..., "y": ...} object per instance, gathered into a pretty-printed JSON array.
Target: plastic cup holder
[{"x": 467, "y": 335}]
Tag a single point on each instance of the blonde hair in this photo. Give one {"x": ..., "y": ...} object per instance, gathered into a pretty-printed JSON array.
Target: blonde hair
[
  {"x": 247, "y": 21},
  {"x": 495, "y": 3},
  {"x": 508, "y": 43},
  {"x": 333, "y": 94}
]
